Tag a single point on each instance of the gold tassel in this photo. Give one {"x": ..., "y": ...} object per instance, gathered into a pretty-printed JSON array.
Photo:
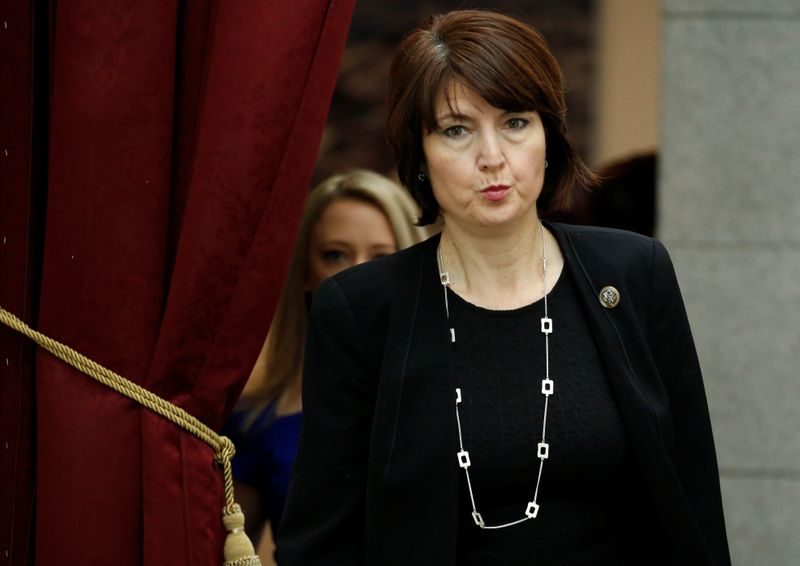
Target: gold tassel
[{"x": 239, "y": 550}]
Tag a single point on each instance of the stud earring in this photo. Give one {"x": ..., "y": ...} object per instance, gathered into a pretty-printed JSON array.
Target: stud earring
[{"x": 422, "y": 177}]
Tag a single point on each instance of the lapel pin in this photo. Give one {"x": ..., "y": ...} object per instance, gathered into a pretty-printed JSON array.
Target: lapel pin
[{"x": 609, "y": 297}]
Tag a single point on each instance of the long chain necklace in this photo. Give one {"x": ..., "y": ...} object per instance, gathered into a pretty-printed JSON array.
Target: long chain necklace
[{"x": 543, "y": 448}]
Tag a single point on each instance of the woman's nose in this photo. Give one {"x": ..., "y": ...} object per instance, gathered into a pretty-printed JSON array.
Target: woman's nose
[
  {"x": 491, "y": 153},
  {"x": 361, "y": 258}
]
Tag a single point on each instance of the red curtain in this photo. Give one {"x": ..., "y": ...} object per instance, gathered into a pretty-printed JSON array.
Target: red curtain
[
  {"x": 182, "y": 138},
  {"x": 21, "y": 220}
]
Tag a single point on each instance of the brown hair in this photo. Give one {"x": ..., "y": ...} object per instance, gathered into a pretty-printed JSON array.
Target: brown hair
[{"x": 504, "y": 61}]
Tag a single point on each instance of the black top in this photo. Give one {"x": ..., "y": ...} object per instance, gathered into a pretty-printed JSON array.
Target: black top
[{"x": 590, "y": 506}]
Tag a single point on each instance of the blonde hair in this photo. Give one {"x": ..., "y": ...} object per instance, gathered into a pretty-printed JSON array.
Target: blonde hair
[{"x": 285, "y": 342}]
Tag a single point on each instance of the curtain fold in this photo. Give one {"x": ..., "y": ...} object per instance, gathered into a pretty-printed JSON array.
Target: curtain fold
[
  {"x": 182, "y": 141},
  {"x": 21, "y": 154}
]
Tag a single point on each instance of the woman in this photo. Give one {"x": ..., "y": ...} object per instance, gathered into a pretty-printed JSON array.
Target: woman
[
  {"x": 510, "y": 392},
  {"x": 348, "y": 219}
]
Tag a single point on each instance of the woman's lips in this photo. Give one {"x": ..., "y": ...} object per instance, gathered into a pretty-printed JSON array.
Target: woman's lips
[{"x": 495, "y": 192}]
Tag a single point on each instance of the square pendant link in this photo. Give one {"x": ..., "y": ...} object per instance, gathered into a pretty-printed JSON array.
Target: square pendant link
[
  {"x": 478, "y": 519},
  {"x": 532, "y": 510},
  {"x": 458, "y": 395},
  {"x": 463, "y": 459},
  {"x": 544, "y": 450},
  {"x": 444, "y": 277},
  {"x": 547, "y": 386},
  {"x": 547, "y": 325}
]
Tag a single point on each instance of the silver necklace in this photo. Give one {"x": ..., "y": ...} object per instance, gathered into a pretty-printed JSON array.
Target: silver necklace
[{"x": 543, "y": 448}]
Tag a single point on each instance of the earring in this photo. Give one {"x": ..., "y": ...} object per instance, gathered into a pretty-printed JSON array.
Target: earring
[
  {"x": 545, "y": 163},
  {"x": 422, "y": 177}
]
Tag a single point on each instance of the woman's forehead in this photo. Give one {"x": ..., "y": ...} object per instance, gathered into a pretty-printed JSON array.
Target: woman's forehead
[{"x": 457, "y": 98}]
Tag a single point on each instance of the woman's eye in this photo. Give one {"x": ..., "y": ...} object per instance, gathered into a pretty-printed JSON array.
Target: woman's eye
[
  {"x": 454, "y": 131},
  {"x": 517, "y": 123},
  {"x": 333, "y": 256}
]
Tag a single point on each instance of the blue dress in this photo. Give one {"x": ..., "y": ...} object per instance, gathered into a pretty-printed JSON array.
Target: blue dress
[{"x": 265, "y": 452}]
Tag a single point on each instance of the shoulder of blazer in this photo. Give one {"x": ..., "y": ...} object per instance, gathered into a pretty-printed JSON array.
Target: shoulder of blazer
[
  {"x": 381, "y": 281},
  {"x": 607, "y": 256},
  {"x": 383, "y": 294},
  {"x": 597, "y": 244}
]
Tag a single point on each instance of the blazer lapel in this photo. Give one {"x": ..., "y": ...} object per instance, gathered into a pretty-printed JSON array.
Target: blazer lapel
[
  {"x": 639, "y": 417},
  {"x": 415, "y": 416},
  {"x": 635, "y": 395}
]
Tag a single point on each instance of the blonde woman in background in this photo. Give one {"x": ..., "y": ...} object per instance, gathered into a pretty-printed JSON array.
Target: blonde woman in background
[{"x": 348, "y": 219}]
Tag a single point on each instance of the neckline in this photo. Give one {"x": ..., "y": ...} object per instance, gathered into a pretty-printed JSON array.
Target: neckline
[
  {"x": 554, "y": 291},
  {"x": 435, "y": 241}
]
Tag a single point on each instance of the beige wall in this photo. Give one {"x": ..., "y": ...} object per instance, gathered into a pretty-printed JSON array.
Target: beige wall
[{"x": 628, "y": 78}]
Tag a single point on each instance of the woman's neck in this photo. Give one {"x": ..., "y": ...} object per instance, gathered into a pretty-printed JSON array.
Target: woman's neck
[{"x": 499, "y": 270}]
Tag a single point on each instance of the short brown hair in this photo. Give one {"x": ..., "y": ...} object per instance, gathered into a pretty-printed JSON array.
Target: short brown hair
[{"x": 508, "y": 64}]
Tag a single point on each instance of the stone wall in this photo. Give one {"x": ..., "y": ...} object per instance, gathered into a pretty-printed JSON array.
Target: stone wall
[{"x": 729, "y": 206}]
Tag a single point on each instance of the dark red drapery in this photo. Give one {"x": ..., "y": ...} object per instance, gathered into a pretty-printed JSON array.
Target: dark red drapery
[
  {"x": 21, "y": 220},
  {"x": 182, "y": 137}
]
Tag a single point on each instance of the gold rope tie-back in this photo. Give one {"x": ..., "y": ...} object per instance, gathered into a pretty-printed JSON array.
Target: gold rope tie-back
[{"x": 239, "y": 550}]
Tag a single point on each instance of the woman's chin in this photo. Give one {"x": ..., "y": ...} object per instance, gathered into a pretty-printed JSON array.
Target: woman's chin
[{"x": 506, "y": 217}]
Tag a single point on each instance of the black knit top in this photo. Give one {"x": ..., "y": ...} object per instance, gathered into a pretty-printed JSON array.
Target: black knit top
[{"x": 592, "y": 508}]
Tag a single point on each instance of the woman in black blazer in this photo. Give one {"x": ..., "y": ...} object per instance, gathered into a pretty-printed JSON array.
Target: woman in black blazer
[{"x": 512, "y": 391}]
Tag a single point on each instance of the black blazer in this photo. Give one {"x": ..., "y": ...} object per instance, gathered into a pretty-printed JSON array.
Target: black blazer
[{"x": 376, "y": 481}]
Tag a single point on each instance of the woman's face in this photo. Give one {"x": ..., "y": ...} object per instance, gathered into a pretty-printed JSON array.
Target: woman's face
[
  {"x": 348, "y": 232},
  {"x": 485, "y": 165}
]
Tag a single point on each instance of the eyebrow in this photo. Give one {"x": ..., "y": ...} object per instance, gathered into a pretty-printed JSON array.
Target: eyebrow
[
  {"x": 345, "y": 244},
  {"x": 459, "y": 116}
]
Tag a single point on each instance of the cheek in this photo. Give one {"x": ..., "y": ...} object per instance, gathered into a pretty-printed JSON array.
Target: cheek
[
  {"x": 438, "y": 158},
  {"x": 313, "y": 276},
  {"x": 448, "y": 173},
  {"x": 444, "y": 164},
  {"x": 441, "y": 193},
  {"x": 317, "y": 271}
]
